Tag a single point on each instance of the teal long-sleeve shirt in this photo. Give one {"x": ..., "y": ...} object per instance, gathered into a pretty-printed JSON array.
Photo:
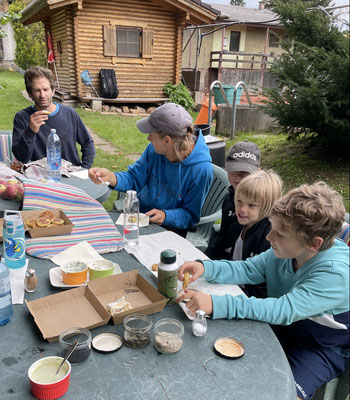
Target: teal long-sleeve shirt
[{"x": 319, "y": 288}]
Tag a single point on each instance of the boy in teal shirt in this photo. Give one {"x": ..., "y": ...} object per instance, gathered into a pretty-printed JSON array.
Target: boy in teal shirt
[{"x": 307, "y": 277}]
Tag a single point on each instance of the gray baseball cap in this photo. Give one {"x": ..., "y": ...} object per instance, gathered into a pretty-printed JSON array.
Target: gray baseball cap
[
  {"x": 243, "y": 156},
  {"x": 169, "y": 118}
]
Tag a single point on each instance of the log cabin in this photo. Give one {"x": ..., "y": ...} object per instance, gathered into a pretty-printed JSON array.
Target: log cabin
[{"x": 140, "y": 39}]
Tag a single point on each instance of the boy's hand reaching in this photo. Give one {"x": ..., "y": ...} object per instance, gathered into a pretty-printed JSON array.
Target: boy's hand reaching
[
  {"x": 102, "y": 175},
  {"x": 194, "y": 268},
  {"x": 198, "y": 301}
]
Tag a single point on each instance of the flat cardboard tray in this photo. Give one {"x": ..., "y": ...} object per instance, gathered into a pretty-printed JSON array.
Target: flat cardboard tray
[
  {"x": 58, "y": 312},
  {"x": 51, "y": 230},
  {"x": 142, "y": 296},
  {"x": 86, "y": 307}
]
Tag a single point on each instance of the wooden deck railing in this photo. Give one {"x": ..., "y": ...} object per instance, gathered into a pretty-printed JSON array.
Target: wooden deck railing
[{"x": 241, "y": 59}]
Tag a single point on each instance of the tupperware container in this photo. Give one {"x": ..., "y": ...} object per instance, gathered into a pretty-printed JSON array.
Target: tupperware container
[{"x": 45, "y": 384}]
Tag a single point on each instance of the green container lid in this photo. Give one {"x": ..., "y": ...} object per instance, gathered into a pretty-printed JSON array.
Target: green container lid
[{"x": 168, "y": 256}]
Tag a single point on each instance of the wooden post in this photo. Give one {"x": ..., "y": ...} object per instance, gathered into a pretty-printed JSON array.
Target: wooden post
[{"x": 77, "y": 54}]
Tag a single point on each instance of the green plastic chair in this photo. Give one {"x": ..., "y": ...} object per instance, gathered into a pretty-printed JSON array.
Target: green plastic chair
[{"x": 211, "y": 210}]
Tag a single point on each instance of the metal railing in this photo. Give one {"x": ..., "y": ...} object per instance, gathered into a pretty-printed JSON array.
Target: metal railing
[{"x": 233, "y": 120}]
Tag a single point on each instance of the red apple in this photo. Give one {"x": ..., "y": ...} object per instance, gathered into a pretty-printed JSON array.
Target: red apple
[
  {"x": 11, "y": 192},
  {"x": 3, "y": 181}
]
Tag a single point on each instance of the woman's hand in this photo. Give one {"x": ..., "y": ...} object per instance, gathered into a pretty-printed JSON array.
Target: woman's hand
[
  {"x": 197, "y": 301},
  {"x": 156, "y": 216},
  {"x": 194, "y": 268},
  {"x": 101, "y": 175}
]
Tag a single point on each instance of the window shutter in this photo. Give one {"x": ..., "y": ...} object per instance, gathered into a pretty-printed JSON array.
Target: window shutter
[
  {"x": 147, "y": 44},
  {"x": 109, "y": 41}
]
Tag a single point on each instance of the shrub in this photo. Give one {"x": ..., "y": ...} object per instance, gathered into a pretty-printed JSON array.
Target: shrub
[{"x": 179, "y": 94}]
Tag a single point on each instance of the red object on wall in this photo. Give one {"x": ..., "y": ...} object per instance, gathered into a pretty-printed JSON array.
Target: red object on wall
[{"x": 51, "y": 56}]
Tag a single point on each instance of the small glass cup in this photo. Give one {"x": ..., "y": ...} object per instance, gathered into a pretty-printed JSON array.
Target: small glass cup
[
  {"x": 83, "y": 349},
  {"x": 137, "y": 330},
  {"x": 168, "y": 334}
]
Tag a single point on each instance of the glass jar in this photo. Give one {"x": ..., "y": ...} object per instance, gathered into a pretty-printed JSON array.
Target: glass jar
[
  {"x": 83, "y": 349},
  {"x": 168, "y": 334},
  {"x": 137, "y": 330}
]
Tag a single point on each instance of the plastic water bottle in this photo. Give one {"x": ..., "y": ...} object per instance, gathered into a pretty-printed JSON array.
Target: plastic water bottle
[
  {"x": 14, "y": 244},
  {"x": 6, "y": 309},
  {"x": 53, "y": 154},
  {"x": 131, "y": 218}
]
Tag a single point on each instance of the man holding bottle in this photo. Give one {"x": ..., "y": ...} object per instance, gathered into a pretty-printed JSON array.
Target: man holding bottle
[{"x": 32, "y": 125}]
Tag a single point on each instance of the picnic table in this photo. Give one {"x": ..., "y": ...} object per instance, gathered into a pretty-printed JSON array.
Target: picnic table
[{"x": 195, "y": 372}]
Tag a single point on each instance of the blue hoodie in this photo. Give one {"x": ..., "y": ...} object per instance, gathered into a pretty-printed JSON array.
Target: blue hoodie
[{"x": 177, "y": 188}]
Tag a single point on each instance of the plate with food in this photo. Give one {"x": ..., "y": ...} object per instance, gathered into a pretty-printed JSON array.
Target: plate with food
[{"x": 70, "y": 272}]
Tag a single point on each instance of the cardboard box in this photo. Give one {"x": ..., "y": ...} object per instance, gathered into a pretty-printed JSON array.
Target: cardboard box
[
  {"x": 51, "y": 230},
  {"x": 58, "y": 312},
  {"x": 86, "y": 306},
  {"x": 142, "y": 296}
]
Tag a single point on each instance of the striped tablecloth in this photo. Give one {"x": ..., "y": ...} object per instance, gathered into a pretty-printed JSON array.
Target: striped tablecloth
[{"x": 91, "y": 221}]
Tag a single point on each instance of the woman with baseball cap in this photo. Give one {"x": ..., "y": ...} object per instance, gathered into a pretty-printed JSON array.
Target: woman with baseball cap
[{"x": 174, "y": 173}]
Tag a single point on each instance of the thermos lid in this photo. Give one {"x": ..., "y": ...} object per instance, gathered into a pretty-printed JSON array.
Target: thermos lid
[{"x": 168, "y": 256}]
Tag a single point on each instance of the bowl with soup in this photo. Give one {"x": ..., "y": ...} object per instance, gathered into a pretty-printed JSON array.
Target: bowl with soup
[
  {"x": 45, "y": 383},
  {"x": 74, "y": 273},
  {"x": 100, "y": 269}
]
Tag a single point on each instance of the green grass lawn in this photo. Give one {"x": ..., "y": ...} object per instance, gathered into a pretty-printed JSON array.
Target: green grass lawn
[{"x": 289, "y": 160}]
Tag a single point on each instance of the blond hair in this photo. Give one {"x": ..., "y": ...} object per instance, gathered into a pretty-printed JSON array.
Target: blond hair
[
  {"x": 183, "y": 145},
  {"x": 263, "y": 187},
  {"x": 311, "y": 211}
]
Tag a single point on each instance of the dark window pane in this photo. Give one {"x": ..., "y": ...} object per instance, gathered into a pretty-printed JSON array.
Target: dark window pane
[
  {"x": 234, "y": 41},
  {"x": 273, "y": 40}
]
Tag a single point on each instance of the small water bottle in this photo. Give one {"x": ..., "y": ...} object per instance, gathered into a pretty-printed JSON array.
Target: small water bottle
[
  {"x": 167, "y": 275},
  {"x": 14, "y": 243},
  {"x": 131, "y": 218},
  {"x": 53, "y": 155},
  {"x": 199, "y": 324},
  {"x": 6, "y": 309}
]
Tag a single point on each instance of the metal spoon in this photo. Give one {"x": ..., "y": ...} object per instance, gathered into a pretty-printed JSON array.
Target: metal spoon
[{"x": 69, "y": 352}]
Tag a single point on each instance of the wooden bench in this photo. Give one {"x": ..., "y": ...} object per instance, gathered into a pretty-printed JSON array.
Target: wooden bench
[{"x": 96, "y": 102}]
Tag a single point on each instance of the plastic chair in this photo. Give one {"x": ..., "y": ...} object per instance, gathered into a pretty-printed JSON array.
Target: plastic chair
[
  {"x": 6, "y": 146},
  {"x": 211, "y": 210}
]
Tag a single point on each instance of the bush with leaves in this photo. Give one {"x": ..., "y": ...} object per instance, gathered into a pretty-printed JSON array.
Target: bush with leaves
[
  {"x": 312, "y": 100},
  {"x": 30, "y": 40},
  {"x": 179, "y": 94}
]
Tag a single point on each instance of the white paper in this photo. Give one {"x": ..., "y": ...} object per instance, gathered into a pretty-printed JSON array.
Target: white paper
[
  {"x": 148, "y": 250},
  {"x": 82, "y": 251},
  {"x": 143, "y": 220},
  {"x": 17, "y": 277},
  {"x": 82, "y": 174},
  {"x": 212, "y": 139},
  {"x": 219, "y": 289}
]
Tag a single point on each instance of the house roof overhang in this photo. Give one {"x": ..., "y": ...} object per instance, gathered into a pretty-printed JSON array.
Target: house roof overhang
[{"x": 194, "y": 11}]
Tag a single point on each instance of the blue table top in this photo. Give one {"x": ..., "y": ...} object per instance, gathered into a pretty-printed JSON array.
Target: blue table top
[{"x": 195, "y": 372}]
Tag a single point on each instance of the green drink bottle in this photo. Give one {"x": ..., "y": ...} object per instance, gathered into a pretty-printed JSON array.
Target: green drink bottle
[{"x": 167, "y": 275}]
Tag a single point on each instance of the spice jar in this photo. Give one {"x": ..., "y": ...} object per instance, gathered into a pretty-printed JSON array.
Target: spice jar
[
  {"x": 83, "y": 349},
  {"x": 168, "y": 334},
  {"x": 31, "y": 281},
  {"x": 199, "y": 324},
  {"x": 137, "y": 330}
]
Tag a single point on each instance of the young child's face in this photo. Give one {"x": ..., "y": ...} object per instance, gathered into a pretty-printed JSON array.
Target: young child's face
[
  {"x": 283, "y": 243},
  {"x": 236, "y": 176},
  {"x": 247, "y": 210}
]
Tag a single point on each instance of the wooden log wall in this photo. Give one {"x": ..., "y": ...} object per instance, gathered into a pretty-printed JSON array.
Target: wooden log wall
[
  {"x": 135, "y": 79},
  {"x": 62, "y": 32}
]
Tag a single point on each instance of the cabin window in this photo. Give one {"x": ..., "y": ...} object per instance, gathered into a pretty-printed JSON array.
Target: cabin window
[
  {"x": 273, "y": 40},
  {"x": 234, "y": 40},
  {"x": 128, "y": 42}
]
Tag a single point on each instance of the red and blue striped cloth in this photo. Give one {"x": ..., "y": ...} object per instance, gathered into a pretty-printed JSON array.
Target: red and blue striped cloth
[{"x": 91, "y": 221}]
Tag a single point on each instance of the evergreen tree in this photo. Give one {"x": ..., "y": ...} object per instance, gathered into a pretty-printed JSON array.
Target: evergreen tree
[
  {"x": 237, "y": 3},
  {"x": 30, "y": 40},
  {"x": 312, "y": 99}
]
